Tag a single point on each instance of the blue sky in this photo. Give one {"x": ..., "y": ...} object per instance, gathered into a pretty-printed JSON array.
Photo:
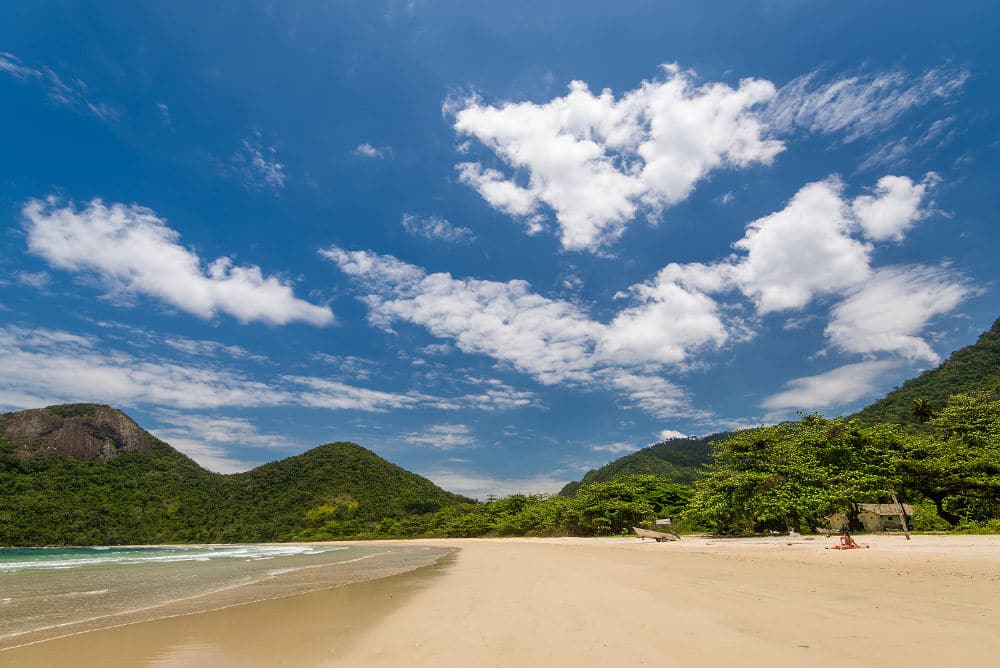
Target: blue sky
[{"x": 497, "y": 245}]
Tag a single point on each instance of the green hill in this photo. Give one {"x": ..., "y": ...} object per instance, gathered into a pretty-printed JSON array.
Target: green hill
[
  {"x": 677, "y": 460},
  {"x": 87, "y": 474},
  {"x": 975, "y": 367}
]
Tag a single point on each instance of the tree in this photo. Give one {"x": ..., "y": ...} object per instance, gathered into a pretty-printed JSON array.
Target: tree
[
  {"x": 922, "y": 410},
  {"x": 957, "y": 465},
  {"x": 790, "y": 475}
]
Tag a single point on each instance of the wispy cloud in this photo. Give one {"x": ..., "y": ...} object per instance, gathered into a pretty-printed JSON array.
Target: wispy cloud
[
  {"x": 480, "y": 486},
  {"x": 858, "y": 106},
  {"x": 258, "y": 165},
  {"x": 132, "y": 251},
  {"x": 68, "y": 92},
  {"x": 210, "y": 439},
  {"x": 442, "y": 436},
  {"x": 373, "y": 152},
  {"x": 42, "y": 367},
  {"x": 829, "y": 390},
  {"x": 436, "y": 228}
]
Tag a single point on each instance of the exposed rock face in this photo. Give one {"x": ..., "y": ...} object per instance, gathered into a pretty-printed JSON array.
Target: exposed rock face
[{"x": 81, "y": 431}]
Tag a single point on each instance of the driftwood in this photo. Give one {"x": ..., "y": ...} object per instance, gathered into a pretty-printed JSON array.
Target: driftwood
[{"x": 658, "y": 536}]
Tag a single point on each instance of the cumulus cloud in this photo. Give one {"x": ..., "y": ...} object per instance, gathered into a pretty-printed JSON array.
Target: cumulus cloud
[
  {"x": 373, "y": 152},
  {"x": 820, "y": 244},
  {"x": 667, "y": 434},
  {"x": 832, "y": 389},
  {"x": 554, "y": 341},
  {"x": 889, "y": 310},
  {"x": 258, "y": 165},
  {"x": 595, "y": 160},
  {"x": 133, "y": 251},
  {"x": 858, "y": 106},
  {"x": 436, "y": 228},
  {"x": 72, "y": 93},
  {"x": 803, "y": 250},
  {"x": 893, "y": 207},
  {"x": 443, "y": 436}
]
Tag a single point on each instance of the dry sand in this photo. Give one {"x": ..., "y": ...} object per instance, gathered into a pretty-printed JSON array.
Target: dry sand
[{"x": 931, "y": 601}]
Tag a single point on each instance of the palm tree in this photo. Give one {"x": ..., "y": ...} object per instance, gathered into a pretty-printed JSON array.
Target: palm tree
[{"x": 923, "y": 410}]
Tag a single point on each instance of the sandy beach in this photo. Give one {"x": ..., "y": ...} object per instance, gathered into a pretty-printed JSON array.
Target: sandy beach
[{"x": 598, "y": 602}]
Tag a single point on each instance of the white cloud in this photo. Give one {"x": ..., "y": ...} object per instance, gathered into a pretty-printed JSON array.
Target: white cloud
[
  {"x": 373, "y": 152},
  {"x": 258, "y": 165},
  {"x": 615, "y": 448},
  {"x": 37, "y": 280},
  {"x": 443, "y": 436},
  {"x": 554, "y": 341},
  {"x": 801, "y": 251},
  {"x": 596, "y": 160},
  {"x": 479, "y": 486},
  {"x": 70, "y": 93},
  {"x": 212, "y": 349},
  {"x": 858, "y": 106},
  {"x": 60, "y": 367},
  {"x": 893, "y": 208},
  {"x": 667, "y": 434},
  {"x": 889, "y": 310},
  {"x": 131, "y": 250},
  {"x": 436, "y": 228},
  {"x": 42, "y": 367},
  {"x": 787, "y": 259},
  {"x": 209, "y": 439},
  {"x": 832, "y": 389}
]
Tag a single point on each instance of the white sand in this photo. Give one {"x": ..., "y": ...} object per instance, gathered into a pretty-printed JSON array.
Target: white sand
[{"x": 932, "y": 601}]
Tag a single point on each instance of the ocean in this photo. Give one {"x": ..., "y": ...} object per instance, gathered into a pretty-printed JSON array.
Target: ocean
[{"x": 51, "y": 592}]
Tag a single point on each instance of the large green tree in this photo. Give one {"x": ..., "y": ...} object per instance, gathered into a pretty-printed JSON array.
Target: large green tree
[{"x": 791, "y": 475}]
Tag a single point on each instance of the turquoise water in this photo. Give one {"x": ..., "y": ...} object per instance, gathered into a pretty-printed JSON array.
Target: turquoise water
[{"x": 50, "y": 592}]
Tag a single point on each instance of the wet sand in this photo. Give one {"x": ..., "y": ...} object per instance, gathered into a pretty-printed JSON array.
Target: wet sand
[{"x": 598, "y": 602}]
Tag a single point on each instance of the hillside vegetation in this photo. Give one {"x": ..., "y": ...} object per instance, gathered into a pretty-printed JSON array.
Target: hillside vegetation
[
  {"x": 971, "y": 369},
  {"x": 88, "y": 475}
]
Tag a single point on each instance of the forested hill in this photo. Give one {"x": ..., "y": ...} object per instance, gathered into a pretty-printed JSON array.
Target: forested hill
[
  {"x": 676, "y": 459},
  {"x": 87, "y": 474},
  {"x": 975, "y": 367}
]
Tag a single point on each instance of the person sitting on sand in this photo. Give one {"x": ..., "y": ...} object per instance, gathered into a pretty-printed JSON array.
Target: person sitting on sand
[{"x": 847, "y": 542}]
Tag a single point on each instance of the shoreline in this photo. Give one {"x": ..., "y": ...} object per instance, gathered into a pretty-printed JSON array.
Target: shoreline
[{"x": 513, "y": 601}]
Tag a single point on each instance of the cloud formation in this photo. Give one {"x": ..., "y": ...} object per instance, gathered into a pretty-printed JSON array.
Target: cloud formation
[
  {"x": 595, "y": 160},
  {"x": 43, "y": 367},
  {"x": 838, "y": 387},
  {"x": 132, "y": 251},
  {"x": 820, "y": 244},
  {"x": 552, "y": 340}
]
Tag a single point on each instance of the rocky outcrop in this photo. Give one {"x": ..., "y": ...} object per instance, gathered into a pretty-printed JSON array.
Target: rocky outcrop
[{"x": 82, "y": 431}]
